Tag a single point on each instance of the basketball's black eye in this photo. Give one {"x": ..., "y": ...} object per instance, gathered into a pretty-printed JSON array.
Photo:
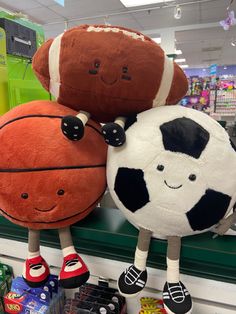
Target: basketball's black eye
[
  {"x": 60, "y": 192},
  {"x": 97, "y": 64},
  {"x": 192, "y": 177},
  {"x": 24, "y": 195},
  {"x": 125, "y": 69},
  {"x": 160, "y": 167}
]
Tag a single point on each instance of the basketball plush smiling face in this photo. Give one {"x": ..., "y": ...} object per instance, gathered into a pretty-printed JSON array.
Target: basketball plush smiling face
[
  {"x": 47, "y": 181},
  {"x": 108, "y": 71}
]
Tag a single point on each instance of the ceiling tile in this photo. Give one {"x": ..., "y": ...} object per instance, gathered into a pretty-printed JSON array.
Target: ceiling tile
[
  {"x": 16, "y": 5},
  {"x": 46, "y": 2},
  {"x": 43, "y": 15},
  {"x": 83, "y": 8}
]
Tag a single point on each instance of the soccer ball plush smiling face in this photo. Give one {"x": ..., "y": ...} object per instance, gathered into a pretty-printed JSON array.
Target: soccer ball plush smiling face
[
  {"x": 169, "y": 176},
  {"x": 108, "y": 71}
]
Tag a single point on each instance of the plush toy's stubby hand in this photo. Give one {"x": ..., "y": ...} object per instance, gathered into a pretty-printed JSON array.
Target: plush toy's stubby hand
[
  {"x": 113, "y": 134},
  {"x": 224, "y": 225},
  {"x": 72, "y": 127}
]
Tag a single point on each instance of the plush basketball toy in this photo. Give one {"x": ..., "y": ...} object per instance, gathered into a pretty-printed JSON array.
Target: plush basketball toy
[
  {"x": 107, "y": 72},
  {"x": 175, "y": 177},
  {"x": 48, "y": 182}
]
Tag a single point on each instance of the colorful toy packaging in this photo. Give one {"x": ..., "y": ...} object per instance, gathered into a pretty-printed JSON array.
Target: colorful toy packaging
[
  {"x": 151, "y": 306},
  {"x": 96, "y": 299},
  {"x": 48, "y": 299},
  {"x": 6, "y": 274}
]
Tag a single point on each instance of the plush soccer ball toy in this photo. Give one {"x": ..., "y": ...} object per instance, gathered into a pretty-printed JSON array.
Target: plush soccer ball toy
[
  {"x": 167, "y": 180},
  {"x": 107, "y": 72},
  {"x": 48, "y": 182}
]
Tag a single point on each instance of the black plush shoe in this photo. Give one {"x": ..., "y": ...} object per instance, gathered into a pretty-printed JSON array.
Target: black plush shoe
[
  {"x": 177, "y": 299},
  {"x": 132, "y": 281},
  {"x": 113, "y": 134},
  {"x": 72, "y": 127}
]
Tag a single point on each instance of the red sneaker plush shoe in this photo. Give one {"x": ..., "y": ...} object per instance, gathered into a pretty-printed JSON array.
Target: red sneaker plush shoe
[
  {"x": 36, "y": 271},
  {"x": 74, "y": 272}
]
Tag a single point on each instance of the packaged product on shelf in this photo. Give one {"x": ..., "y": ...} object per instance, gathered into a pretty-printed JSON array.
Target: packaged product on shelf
[
  {"x": 103, "y": 293},
  {"x": 22, "y": 299},
  {"x": 151, "y": 306},
  {"x": 6, "y": 275},
  {"x": 96, "y": 299},
  {"x": 113, "y": 306}
]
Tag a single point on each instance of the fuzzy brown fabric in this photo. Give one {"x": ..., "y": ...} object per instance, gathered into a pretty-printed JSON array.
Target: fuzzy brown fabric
[
  {"x": 107, "y": 94},
  {"x": 33, "y": 197}
]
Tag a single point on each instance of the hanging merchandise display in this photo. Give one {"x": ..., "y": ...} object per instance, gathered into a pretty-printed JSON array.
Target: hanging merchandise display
[
  {"x": 198, "y": 96},
  {"x": 168, "y": 183},
  {"x": 223, "y": 98},
  {"x": 119, "y": 72},
  {"x": 3, "y": 73},
  {"x": 48, "y": 182},
  {"x": 230, "y": 19},
  {"x": 19, "y": 39}
]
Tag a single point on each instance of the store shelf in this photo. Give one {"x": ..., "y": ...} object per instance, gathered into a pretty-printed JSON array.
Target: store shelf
[{"x": 105, "y": 233}]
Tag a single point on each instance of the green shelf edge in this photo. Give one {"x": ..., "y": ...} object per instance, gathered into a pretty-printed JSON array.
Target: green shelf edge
[{"x": 106, "y": 233}]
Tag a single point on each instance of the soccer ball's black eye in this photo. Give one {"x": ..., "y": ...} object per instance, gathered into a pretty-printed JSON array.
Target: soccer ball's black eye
[
  {"x": 96, "y": 64},
  {"x": 160, "y": 167},
  {"x": 125, "y": 69},
  {"x": 24, "y": 195},
  {"x": 192, "y": 177},
  {"x": 60, "y": 192}
]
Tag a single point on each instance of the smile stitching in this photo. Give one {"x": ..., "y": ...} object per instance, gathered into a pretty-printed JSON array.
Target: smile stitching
[
  {"x": 45, "y": 210},
  {"x": 55, "y": 221},
  {"x": 173, "y": 187},
  {"x": 113, "y": 82}
]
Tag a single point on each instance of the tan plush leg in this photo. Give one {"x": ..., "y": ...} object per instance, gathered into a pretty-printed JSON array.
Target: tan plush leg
[
  {"x": 33, "y": 243},
  {"x": 83, "y": 116},
  {"x": 173, "y": 254}
]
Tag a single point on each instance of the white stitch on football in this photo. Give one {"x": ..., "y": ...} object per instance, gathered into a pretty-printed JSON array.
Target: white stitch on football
[{"x": 116, "y": 30}]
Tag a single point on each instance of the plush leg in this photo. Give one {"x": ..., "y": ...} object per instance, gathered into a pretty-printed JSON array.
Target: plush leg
[
  {"x": 73, "y": 126},
  {"x": 134, "y": 279},
  {"x": 175, "y": 296},
  {"x": 225, "y": 224},
  {"x": 74, "y": 272},
  {"x": 114, "y": 133},
  {"x": 36, "y": 270}
]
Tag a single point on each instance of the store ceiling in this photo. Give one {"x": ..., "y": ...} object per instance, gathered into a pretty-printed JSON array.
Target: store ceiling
[{"x": 198, "y": 35}]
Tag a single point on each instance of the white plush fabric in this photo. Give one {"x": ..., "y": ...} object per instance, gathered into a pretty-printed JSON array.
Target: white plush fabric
[{"x": 165, "y": 214}]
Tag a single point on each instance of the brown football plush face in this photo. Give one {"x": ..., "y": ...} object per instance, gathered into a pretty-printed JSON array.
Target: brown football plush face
[
  {"x": 47, "y": 181},
  {"x": 107, "y": 71}
]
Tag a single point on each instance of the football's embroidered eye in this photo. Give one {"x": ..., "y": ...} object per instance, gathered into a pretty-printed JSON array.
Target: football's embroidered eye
[
  {"x": 97, "y": 64},
  {"x": 125, "y": 69},
  {"x": 192, "y": 177},
  {"x": 24, "y": 195},
  {"x": 160, "y": 167}
]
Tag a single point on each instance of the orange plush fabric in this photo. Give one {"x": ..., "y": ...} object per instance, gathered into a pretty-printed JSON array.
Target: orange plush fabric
[
  {"x": 37, "y": 161},
  {"x": 102, "y": 90}
]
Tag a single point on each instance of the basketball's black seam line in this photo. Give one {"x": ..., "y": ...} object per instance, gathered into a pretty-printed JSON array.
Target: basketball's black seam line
[
  {"x": 29, "y": 116},
  {"x": 44, "y": 116},
  {"x": 18, "y": 170},
  {"x": 51, "y": 222}
]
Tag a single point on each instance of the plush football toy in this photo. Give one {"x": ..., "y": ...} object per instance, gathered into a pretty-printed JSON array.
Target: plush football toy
[
  {"x": 108, "y": 73},
  {"x": 168, "y": 180},
  {"x": 48, "y": 182}
]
